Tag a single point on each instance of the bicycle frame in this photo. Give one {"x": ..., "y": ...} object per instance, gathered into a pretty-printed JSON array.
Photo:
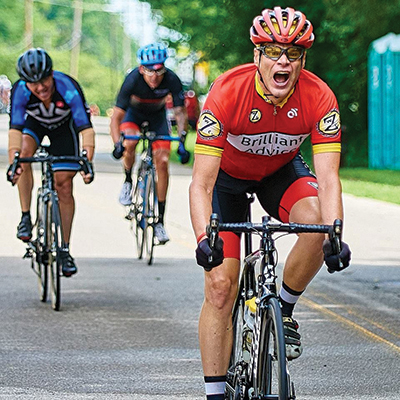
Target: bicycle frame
[
  {"x": 144, "y": 208},
  {"x": 251, "y": 377},
  {"x": 44, "y": 250}
]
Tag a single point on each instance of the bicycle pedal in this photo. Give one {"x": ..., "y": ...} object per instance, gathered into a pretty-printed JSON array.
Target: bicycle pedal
[
  {"x": 28, "y": 254},
  {"x": 130, "y": 216}
]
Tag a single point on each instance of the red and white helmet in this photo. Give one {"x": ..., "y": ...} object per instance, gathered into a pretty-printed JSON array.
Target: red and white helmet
[{"x": 282, "y": 26}]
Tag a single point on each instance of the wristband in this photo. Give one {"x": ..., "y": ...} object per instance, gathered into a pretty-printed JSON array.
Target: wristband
[{"x": 200, "y": 237}]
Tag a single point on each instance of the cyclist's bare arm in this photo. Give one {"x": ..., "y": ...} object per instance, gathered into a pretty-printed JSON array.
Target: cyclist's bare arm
[
  {"x": 116, "y": 120},
  {"x": 329, "y": 187},
  {"x": 181, "y": 118},
  {"x": 205, "y": 171}
]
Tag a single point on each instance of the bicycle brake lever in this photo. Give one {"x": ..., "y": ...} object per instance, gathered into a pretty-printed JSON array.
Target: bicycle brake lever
[
  {"x": 212, "y": 233},
  {"x": 335, "y": 237},
  {"x": 12, "y": 168}
]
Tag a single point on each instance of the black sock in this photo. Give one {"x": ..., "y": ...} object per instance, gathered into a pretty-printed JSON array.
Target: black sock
[
  {"x": 26, "y": 214},
  {"x": 128, "y": 175},
  {"x": 288, "y": 298},
  {"x": 215, "y": 387},
  {"x": 161, "y": 211}
]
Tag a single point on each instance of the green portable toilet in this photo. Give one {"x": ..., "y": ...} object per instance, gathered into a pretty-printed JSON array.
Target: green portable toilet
[{"x": 384, "y": 103}]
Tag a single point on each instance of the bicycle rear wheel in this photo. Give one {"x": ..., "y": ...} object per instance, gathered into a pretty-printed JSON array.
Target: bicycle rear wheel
[
  {"x": 138, "y": 220},
  {"x": 55, "y": 243},
  {"x": 150, "y": 215},
  {"x": 271, "y": 375},
  {"x": 236, "y": 378},
  {"x": 40, "y": 258}
]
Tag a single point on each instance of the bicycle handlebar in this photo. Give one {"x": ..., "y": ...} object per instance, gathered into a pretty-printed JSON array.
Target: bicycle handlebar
[
  {"x": 85, "y": 164},
  {"x": 151, "y": 136},
  {"x": 268, "y": 226}
]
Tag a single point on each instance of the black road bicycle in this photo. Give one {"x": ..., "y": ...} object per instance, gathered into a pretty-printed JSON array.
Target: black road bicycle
[
  {"x": 258, "y": 367},
  {"x": 44, "y": 248},
  {"x": 143, "y": 212}
]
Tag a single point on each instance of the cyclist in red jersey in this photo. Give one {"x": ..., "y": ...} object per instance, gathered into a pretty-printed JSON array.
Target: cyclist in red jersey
[{"x": 249, "y": 133}]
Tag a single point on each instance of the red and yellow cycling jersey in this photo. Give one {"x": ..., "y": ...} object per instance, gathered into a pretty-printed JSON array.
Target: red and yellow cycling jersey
[{"x": 253, "y": 137}]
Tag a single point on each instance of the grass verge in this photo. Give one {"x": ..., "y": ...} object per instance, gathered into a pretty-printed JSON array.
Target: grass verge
[{"x": 375, "y": 184}]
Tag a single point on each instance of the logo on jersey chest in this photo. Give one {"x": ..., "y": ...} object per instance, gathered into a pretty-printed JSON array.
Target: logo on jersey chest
[
  {"x": 293, "y": 113},
  {"x": 267, "y": 144},
  {"x": 50, "y": 117},
  {"x": 255, "y": 115}
]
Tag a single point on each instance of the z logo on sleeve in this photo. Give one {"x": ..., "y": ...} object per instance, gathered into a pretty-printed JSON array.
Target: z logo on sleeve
[
  {"x": 209, "y": 127},
  {"x": 330, "y": 124}
]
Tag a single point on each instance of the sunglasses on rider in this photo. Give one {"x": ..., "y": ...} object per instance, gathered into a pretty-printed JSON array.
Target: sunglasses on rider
[
  {"x": 151, "y": 72},
  {"x": 275, "y": 52}
]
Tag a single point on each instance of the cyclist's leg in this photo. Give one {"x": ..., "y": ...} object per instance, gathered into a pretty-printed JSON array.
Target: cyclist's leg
[
  {"x": 215, "y": 324},
  {"x": 30, "y": 141},
  {"x": 130, "y": 127},
  {"x": 64, "y": 187},
  {"x": 161, "y": 157},
  {"x": 25, "y": 182},
  {"x": 63, "y": 181},
  {"x": 291, "y": 195},
  {"x": 64, "y": 141},
  {"x": 161, "y": 152}
]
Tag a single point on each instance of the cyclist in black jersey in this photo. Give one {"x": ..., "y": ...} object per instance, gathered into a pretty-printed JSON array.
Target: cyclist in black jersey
[
  {"x": 48, "y": 103},
  {"x": 142, "y": 97}
]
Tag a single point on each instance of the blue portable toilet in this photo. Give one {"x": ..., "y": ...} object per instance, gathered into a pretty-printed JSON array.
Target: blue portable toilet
[{"x": 384, "y": 103}]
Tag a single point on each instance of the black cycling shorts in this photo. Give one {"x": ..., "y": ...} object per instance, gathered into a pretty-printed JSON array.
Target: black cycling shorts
[
  {"x": 64, "y": 141},
  {"x": 276, "y": 193}
]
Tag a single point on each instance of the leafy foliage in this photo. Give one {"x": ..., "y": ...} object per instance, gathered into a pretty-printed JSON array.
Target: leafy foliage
[{"x": 101, "y": 70}]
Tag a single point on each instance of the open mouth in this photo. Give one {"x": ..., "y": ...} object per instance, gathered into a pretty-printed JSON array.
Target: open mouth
[{"x": 281, "y": 77}]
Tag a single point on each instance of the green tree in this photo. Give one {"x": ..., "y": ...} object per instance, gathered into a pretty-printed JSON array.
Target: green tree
[{"x": 101, "y": 69}]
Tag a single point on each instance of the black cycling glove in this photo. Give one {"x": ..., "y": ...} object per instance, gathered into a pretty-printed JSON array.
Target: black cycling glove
[
  {"x": 203, "y": 253},
  {"x": 184, "y": 155},
  {"x": 118, "y": 150},
  {"x": 333, "y": 260}
]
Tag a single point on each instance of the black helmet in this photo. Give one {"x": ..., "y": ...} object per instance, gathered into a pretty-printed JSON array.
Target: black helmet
[{"x": 34, "y": 65}]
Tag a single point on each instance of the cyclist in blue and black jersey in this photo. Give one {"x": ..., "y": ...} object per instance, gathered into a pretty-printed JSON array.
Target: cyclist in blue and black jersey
[
  {"x": 48, "y": 103},
  {"x": 142, "y": 97}
]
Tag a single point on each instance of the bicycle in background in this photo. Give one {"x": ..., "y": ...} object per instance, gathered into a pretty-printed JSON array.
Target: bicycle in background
[
  {"x": 143, "y": 212},
  {"x": 44, "y": 249},
  {"x": 258, "y": 367}
]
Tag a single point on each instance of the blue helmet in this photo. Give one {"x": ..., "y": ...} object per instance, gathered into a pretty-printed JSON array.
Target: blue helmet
[{"x": 151, "y": 54}]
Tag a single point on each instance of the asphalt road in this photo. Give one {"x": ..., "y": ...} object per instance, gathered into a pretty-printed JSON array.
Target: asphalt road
[{"x": 129, "y": 331}]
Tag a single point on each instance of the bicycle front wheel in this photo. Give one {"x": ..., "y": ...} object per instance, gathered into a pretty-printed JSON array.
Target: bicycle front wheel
[
  {"x": 55, "y": 244},
  {"x": 236, "y": 378},
  {"x": 271, "y": 376},
  {"x": 150, "y": 216},
  {"x": 138, "y": 220},
  {"x": 40, "y": 258}
]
